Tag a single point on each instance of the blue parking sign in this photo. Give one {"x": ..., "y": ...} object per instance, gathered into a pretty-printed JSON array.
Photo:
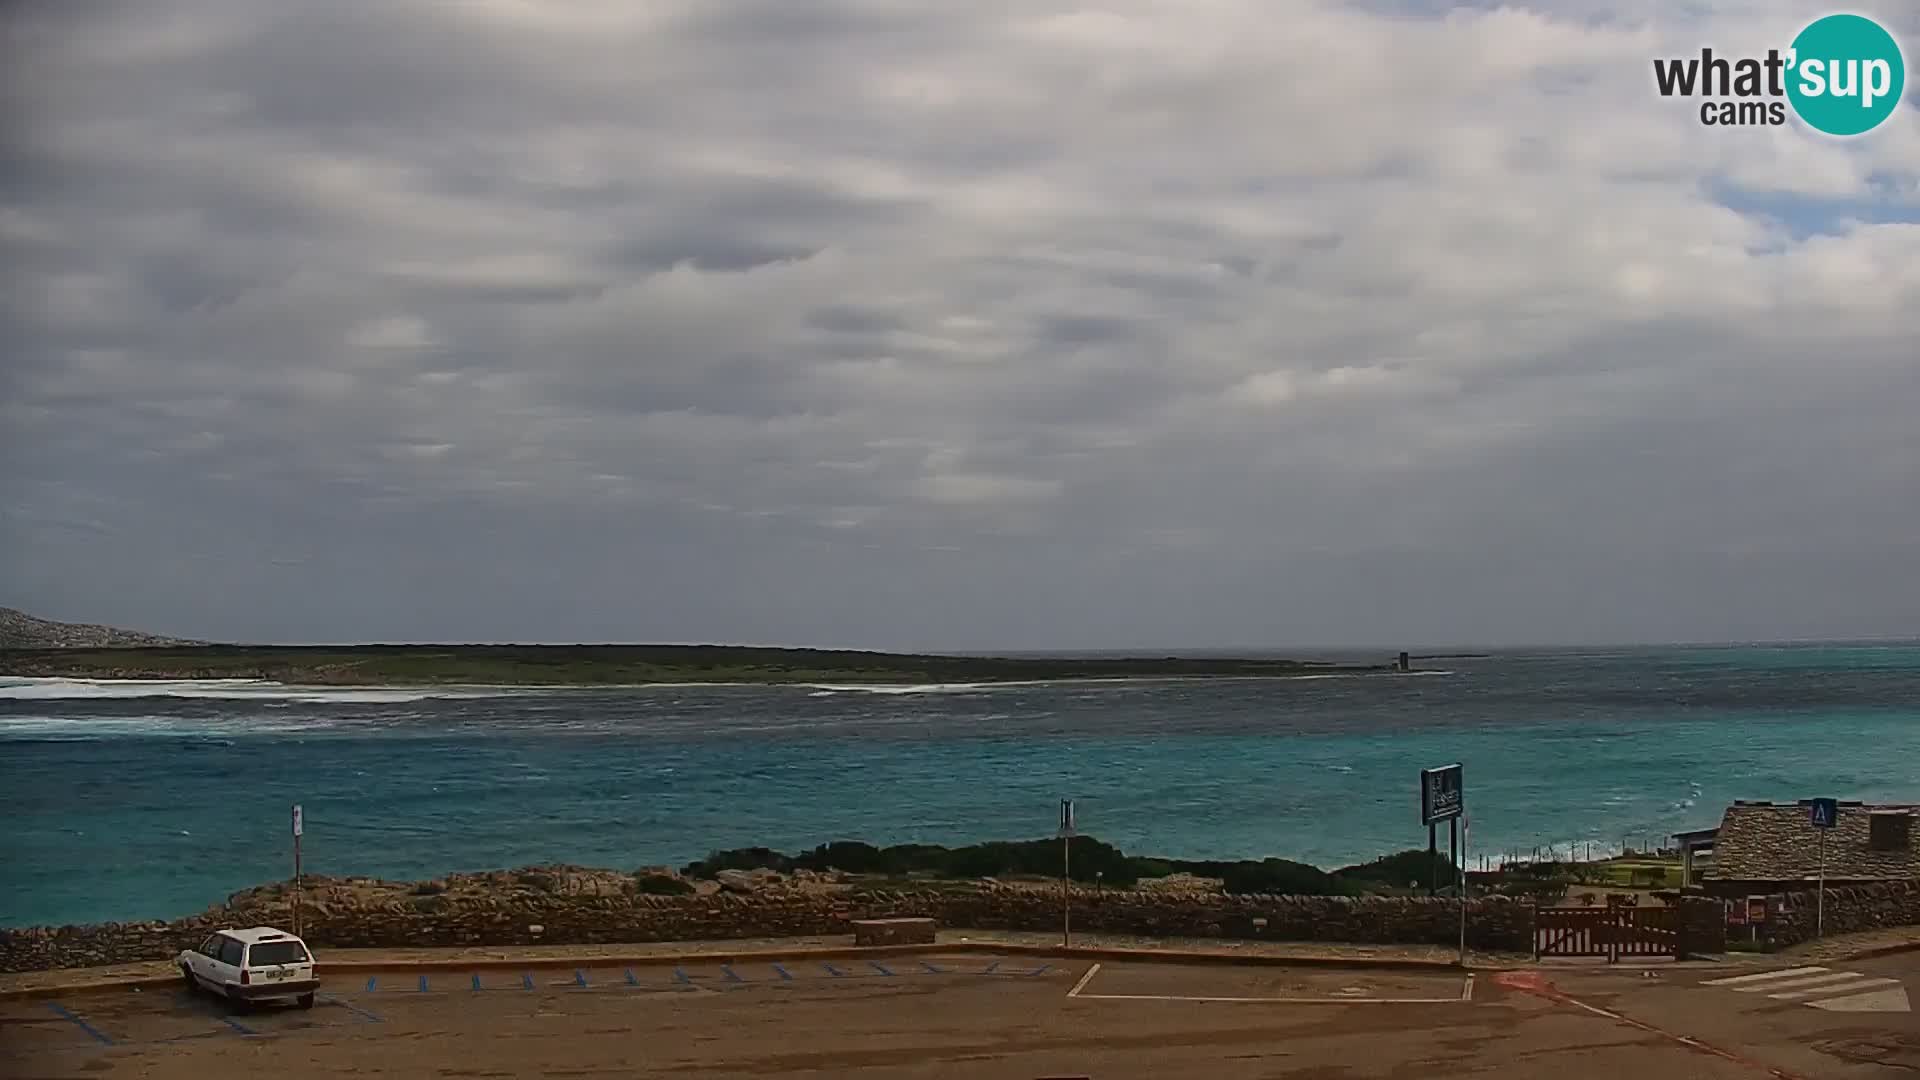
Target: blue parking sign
[{"x": 1823, "y": 812}]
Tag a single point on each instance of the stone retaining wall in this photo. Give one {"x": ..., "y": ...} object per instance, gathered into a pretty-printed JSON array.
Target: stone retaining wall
[
  {"x": 1848, "y": 909},
  {"x": 425, "y": 921}
]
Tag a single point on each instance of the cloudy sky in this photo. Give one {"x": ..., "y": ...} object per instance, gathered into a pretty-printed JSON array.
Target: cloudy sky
[{"x": 924, "y": 325}]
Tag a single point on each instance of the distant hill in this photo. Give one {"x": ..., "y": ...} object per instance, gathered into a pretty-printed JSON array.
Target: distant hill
[
  {"x": 604, "y": 665},
  {"x": 19, "y": 630}
]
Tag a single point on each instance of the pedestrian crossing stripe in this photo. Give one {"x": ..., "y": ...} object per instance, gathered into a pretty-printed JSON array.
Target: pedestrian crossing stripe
[
  {"x": 1846, "y": 985},
  {"x": 1822, "y": 988},
  {"x": 1893, "y": 1000},
  {"x": 1764, "y": 976}
]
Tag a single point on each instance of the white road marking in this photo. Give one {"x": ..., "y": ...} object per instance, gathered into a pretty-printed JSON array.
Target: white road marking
[
  {"x": 1764, "y": 976},
  {"x": 1084, "y": 980},
  {"x": 1796, "y": 984},
  {"x": 1340, "y": 998},
  {"x": 1892, "y": 1000},
  {"x": 1823, "y": 988},
  {"x": 1276, "y": 1000},
  {"x": 1856, "y": 984}
]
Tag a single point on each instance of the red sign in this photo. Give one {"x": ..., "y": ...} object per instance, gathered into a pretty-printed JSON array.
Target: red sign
[{"x": 1756, "y": 909}]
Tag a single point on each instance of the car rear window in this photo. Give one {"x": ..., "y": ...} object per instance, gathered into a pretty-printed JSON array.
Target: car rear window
[{"x": 276, "y": 952}]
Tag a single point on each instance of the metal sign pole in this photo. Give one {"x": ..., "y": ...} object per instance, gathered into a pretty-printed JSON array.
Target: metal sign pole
[
  {"x": 298, "y": 828},
  {"x": 1066, "y": 873},
  {"x": 1453, "y": 844},
  {"x": 1466, "y": 826},
  {"x": 1066, "y": 898},
  {"x": 1822, "y": 814},
  {"x": 1433, "y": 859}
]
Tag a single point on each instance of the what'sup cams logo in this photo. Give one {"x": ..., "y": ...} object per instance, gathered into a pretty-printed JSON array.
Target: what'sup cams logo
[{"x": 1843, "y": 75}]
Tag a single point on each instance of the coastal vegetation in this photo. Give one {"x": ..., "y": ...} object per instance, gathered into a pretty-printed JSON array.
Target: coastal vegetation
[
  {"x": 608, "y": 665},
  {"x": 1091, "y": 862},
  {"x": 1094, "y": 862}
]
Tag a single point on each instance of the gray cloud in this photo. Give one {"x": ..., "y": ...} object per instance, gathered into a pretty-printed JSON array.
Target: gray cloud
[{"x": 923, "y": 326}]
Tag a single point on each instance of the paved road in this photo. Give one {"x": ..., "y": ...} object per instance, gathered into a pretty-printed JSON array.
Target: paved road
[
  {"x": 1842, "y": 1020},
  {"x": 955, "y": 1016}
]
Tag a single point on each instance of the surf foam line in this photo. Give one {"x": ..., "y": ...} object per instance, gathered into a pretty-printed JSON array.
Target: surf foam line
[{"x": 57, "y": 689}]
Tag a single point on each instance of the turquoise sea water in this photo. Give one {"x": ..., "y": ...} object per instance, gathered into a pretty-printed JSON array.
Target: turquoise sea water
[{"x": 144, "y": 801}]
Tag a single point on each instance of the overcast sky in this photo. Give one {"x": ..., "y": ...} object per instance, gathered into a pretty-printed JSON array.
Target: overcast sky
[{"x": 917, "y": 324}]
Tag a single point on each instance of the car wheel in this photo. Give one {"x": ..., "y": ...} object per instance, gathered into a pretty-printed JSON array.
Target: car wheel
[
  {"x": 306, "y": 1001},
  {"x": 186, "y": 975}
]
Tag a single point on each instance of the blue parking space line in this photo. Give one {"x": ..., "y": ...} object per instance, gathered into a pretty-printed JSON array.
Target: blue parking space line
[
  {"x": 784, "y": 974},
  {"x": 731, "y": 975},
  {"x": 423, "y": 984},
  {"x": 238, "y": 1026},
  {"x": 879, "y": 967},
  {"x": 991, "y": 967},
  {"x": 526, "y": 982},
  {"x": 66, "y": 1014},
  {"x": 579, "y": 977},
  {"x": 631, "y": 981},
  {"x": 371, "y": 979},
  {"x": 834, "y": 971},
  {"x": 933, "y": 968},
  {"x": 1041, "y": 970},
  {"x": 680, "y": 976},
  {"x": 354, "y": 1009},
  {"x": 184, "y": 1038}
]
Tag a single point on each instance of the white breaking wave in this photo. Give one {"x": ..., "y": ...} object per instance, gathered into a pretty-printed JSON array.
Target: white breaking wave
[
  {"x": 922, "y": 688},
  {"x": 88, "y": 728},
  {"x": 45, "y": 689},
  {"x": 1116, "y": 682}
]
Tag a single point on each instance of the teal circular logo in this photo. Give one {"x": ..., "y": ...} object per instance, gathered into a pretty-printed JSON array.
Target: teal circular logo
[{"x": 1846, "y": 74}]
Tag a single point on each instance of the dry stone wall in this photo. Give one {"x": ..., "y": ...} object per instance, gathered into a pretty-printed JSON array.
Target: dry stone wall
[
  {"x": 601, "y": 915},
  {"x": 1848, "y": 909}
]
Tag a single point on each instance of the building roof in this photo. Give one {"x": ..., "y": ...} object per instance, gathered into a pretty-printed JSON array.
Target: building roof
[{"x": 1762, "y": 841}]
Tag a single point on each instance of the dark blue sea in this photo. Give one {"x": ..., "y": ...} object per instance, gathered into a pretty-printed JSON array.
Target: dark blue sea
[{"x": 124, "y": 800}]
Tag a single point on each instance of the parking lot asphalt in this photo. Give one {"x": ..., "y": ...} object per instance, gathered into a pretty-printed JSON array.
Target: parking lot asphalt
[
  {"x": 922, "y": 1016},
  {"x": 1849, "y": 1021}
]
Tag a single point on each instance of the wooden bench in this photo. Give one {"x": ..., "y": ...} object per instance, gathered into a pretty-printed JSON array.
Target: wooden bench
[{"x": 893, "y": 932}]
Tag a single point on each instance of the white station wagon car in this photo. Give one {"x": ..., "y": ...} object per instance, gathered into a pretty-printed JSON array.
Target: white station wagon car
[{"x": 253, "y": 965}]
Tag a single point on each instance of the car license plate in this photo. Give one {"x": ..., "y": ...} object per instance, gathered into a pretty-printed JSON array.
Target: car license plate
[{"x": 278, "y": 974}]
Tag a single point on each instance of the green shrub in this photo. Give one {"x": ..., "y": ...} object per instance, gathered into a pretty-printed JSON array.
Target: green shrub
[
  {"x": 1282, "y": 876},
  {"x": 1412, "y": 867},
  {"x": 754, "y": 858},
  {"x": 662, "y": 885},
  {"x": 1154, "y": 868},
  {"x": 851, "y": 856}
]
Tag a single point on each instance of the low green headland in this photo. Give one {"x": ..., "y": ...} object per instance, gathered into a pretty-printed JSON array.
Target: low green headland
[
  {"x": 586, "y": 665},
  {"x": 1092, "y": 861}
]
